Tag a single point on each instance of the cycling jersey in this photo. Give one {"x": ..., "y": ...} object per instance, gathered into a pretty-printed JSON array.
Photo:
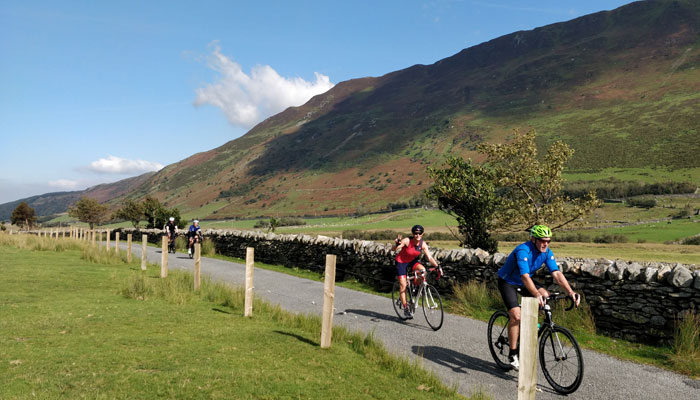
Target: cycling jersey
[
  {"x": 410, "y": 252},
  {"x": 170, "y": 227},
  {"x": 526, "y": 259},
  {"x": 194, "y": 230}
]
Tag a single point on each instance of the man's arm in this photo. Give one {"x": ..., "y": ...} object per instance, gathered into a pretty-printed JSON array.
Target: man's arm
[
  {"x": 560, "y": 279},
  {"x": 530, "y": 286}
]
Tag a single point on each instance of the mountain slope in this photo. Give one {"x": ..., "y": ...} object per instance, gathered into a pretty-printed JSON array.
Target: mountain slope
[{"x": 621, "y": 87}]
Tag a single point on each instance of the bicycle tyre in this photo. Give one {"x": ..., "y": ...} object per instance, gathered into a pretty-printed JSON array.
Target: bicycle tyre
[
  {"x": 561, "y": 359},
  {"x": 498, "y": 339},
  {"x": 432, "y": 307},
  {"x": 396, "y": 300}
]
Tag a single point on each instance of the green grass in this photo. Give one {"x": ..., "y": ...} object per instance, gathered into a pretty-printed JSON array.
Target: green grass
[{"x": 73, "y": 328}]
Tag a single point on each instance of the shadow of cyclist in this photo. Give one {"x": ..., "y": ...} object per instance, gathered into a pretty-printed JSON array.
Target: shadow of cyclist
[
  {"x": 379, "y": 316},
  {"x": 460, "y": 362}
]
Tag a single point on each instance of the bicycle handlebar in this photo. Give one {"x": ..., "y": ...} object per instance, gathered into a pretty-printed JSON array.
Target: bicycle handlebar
[{"x": 558, "y": 296}]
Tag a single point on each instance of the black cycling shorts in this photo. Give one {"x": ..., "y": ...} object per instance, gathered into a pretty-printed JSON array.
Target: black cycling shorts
[{"x": 509, "y": 292}]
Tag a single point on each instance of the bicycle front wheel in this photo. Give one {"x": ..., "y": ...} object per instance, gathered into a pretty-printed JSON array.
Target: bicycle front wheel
[
  {"x": 561, "y": 360},
  {"x": 498, "y": 339},
  {"x": 432, "y": 307},
  {"x": 396, "y": 300}
]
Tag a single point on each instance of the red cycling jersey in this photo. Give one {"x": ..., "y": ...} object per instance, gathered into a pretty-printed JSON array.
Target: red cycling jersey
[{"x": 410, "y": 252}]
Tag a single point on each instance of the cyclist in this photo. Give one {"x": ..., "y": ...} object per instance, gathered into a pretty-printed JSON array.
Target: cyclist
[
  {"x": 194, "y": 230},
  {"x": 407, "y": 258},
  {"x": 170, "y": 229},
  {"x": 517, "y": 272}
]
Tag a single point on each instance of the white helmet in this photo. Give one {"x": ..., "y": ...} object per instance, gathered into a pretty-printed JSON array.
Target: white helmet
[
  {"x": 172, "y": 219},
  {"x": 196, "y": 221}
]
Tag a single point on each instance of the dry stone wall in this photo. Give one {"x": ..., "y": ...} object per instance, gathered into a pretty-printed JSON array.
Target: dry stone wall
[{"x": 630, "y": 300}]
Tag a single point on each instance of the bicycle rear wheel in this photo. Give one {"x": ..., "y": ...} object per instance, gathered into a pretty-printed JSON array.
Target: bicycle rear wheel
[
  {"x": 396, "y": 300},
  {"x": 561, "y": 360},
  {"x": 498, "y": 339},
  {"x": 432, "y": 307}
]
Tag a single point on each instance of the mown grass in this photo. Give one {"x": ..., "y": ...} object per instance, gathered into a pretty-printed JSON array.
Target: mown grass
[{"x": 73, "y": 328}]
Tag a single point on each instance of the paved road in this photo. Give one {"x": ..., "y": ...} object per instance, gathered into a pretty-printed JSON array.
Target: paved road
[{"x": 458, "y": 352}]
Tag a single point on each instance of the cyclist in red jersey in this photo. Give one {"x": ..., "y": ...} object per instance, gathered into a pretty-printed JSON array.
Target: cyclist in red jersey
[{"x": 407, "y": 258}]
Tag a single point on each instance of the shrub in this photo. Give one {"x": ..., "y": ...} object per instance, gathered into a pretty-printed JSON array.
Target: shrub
[
  {"x": 642, "y": 203},
  {"x": 608, "y": 238},
  {"x": 686, "y": 343},
  {"x": 693, "y": 240}
]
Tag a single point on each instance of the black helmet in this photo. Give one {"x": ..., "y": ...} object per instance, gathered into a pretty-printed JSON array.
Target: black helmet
[{"x": 417, "y": 229}]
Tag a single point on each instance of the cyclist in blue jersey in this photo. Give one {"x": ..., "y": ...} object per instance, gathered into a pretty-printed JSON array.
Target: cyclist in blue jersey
[
  {"x": 517, "y": 272},
  {"x": 195, "y": 232}
]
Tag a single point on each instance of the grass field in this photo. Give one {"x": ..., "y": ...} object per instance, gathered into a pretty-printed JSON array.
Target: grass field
[{"x": 68, "y": 332}]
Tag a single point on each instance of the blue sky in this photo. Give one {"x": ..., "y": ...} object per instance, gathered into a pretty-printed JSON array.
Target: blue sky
[{"x": 97, "y": 91}]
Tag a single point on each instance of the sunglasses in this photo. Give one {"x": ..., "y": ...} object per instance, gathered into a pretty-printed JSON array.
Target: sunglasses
[
  {"x": 545, "y": 241},
  {"x": 417, "y": 233}
]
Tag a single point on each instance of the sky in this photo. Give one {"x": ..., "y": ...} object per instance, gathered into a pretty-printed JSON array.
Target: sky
[{"x": 97, "y": 91}]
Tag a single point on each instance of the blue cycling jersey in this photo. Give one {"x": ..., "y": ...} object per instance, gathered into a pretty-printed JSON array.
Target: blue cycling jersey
[
  {"x": 193, "y": 230},
  {"x": 526, "y": 259}
]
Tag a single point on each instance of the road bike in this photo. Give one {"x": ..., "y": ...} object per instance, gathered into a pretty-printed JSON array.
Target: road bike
[
  {"x": 423, "y": 294},
  {"x": 171, "y": 243},
  {"x": 196, "y": 238},
  {"x": 560, "y": 355}
]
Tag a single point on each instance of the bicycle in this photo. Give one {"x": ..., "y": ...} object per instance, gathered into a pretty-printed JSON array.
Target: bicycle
[
  {"x": 424, "y": 294},
  {"x": 560, "y": 355},
  {"x": 171, "y": 243}
]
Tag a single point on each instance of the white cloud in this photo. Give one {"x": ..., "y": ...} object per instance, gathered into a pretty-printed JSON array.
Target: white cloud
[
  {"x": 64, "y": 184},
  {"x": 118, "y": 165},
  {"x": 248, "y": 99}
]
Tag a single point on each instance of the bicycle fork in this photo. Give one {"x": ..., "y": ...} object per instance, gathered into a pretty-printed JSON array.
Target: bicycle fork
[{"x": 554, "y": 337}]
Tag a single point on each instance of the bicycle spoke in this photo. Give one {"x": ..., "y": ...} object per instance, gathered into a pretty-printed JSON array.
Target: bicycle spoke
[{"x": 561, "y": 361}]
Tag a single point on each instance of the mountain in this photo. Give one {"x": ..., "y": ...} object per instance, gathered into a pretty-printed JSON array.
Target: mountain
[
  {"x": 621, "y": 87},
  {"x": 58, "y": 202}
]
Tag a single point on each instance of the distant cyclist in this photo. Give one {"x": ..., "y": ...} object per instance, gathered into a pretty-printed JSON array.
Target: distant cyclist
[
  {"x": 194, "y": 233},
  {"x": 517, "y": 272},
  {"x": 407, "y": 259},
  {"x": 170, "y": 228}
]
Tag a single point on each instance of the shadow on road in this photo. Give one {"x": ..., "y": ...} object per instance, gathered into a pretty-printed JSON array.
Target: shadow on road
[
  {"x": 380, "y": 316},
  {"x": 300, "y": 338},
  {"x": 460, "y": 362}
]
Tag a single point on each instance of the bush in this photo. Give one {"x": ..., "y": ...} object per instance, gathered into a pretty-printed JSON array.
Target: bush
[
  {"x": 642, "y": 203},
  {"x": 693, "y": 240},
  {"x": 608, "y": 238},
  {"x": 686, "y": 343}
]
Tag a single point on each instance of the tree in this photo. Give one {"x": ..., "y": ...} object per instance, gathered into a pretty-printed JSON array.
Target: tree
[
  {"x": 23, "y": 215},
  {"x": 467, "y": 192},
  {"x": 88, "y": 210},
  {"x": 531, "y": 190},
  {"x": 157, "y": 215},
  {"x": 510, "y": 191},
  {"x": 131, "y": 211}
]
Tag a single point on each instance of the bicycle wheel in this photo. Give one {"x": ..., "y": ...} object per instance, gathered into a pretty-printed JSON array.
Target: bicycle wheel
[
  {"x": 396, "y": 300},
  {"x": 432, "y": 307},
  {"x": 498, "y": 339},
  {"x": 561, "y": 360}
]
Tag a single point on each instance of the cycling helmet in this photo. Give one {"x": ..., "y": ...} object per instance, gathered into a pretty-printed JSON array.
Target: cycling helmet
[
  {"x": 196, "y": 221},
  {"x": 540, "y": 231},
  {"x": 172, "y": 219},
  {"x": 417, "y": 229}
]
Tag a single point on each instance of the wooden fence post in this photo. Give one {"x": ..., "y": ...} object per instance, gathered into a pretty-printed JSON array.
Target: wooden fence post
[
  {"x": 197, "y": 264},
  {"x": 93, "y": 238},
  {"x": 249, "y": 288},
  {"x": 328, "y": 297},
  {"x": 107, "y": 242},
  {"x": 164, "y": 257},
  {"x": 116, "y": 242},
  {"x": 527, "y": 373},
  {"x": 144, "y": 239},
  {"x": 128, "y": 248}
]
